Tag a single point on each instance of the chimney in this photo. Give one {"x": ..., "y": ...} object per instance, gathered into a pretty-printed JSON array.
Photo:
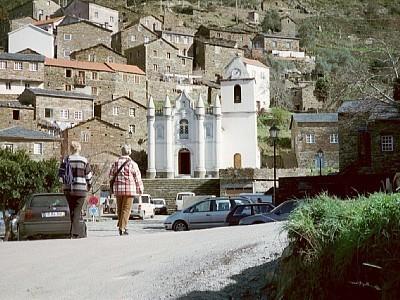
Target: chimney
[{"x": 396, "y": 89}]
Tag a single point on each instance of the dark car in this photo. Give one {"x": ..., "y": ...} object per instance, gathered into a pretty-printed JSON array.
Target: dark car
[
  {"x": 43, "y": 215},
  {"x": 279, "y": 213},
  {"x": 244, "y": 210}
]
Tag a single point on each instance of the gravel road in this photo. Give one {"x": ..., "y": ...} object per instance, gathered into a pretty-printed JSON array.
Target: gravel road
[{"x": 218, "y": 263}]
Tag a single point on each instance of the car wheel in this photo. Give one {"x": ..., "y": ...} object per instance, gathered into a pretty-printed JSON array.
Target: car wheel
[
  {"x": 154, "y": 213},
  {"x": 180, "y": 226}
]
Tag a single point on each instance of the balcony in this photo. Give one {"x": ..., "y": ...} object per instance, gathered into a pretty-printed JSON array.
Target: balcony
[{"x": 79, "y": 81}]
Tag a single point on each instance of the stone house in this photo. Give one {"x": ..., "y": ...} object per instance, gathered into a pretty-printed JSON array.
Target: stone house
[
  {"x": 152, "y": 22},
  {"x": 127, "y": 114},
  {"x": 270, "y": 42},
  {"x": 18, "y": 71},
  {"x": 132, "y": 36},
  {"x": 302, "y": 95},
  {"x": 370, "y": 129},
  {"x": 36, "y": 9},
  {"x": 104, "y": 81},
  {"x": 182, "y": 38},
  {"x": 212, "y": 55},
  {"x": 241, "y": 37},
  {"x": 253, "y": 17},
  {"x": 65, "y": 109},
  {"x": 311, "y": 132},
  {"x": 39, "y": 145},
  {"x": 288, "y": 26},
  {"x": 101, "y": 142},
  {"x": 159, "y": 57},
  {"x": 13, "y": 113},
  {"x": 98, "y": 53},
  {"x": 31, "y": 37},
  {"x": 50, "y": 25},
  {"x": 75, "y": 34},
  {"x": 97, "y": 14}
]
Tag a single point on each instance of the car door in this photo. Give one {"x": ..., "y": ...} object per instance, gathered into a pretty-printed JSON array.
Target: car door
[
  {"x": 220, "y": 209},
  {"x": 200, "y": 215}
]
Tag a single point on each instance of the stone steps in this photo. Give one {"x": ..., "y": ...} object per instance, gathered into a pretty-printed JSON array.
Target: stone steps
[{"x": 168, "y": 188}]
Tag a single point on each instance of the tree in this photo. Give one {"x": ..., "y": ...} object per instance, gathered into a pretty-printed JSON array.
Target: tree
[
  {"x": 21, "y": 176},
  {"x": 271, "y": 21}
]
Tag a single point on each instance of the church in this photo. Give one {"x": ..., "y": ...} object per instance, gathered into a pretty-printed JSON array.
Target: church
[{"x": 188, "y": 139}]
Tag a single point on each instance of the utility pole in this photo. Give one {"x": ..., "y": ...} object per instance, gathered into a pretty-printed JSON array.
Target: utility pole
[{"x": 237, "y": 12}]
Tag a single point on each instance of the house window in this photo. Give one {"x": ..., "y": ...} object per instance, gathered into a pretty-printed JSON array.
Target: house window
[
  {"x": 67, "y": 37},
  {"x": 115, "y": 110},
  {"x": 274, "y": 44},
  {"x": 3, "y": 65},
  {"x": 155, "y": 54},
  {"x": 137, "y": 79},
  {"x": 183, "y": 61},
  {"x": 185, "y": 40},
  {"x": 8, "y": 85},
  {"x": 68, "y": 87},
  {"x": 78, "y": 115},
  {"x": 387, "y": 143},
  {"x": 132, "y": 112},
  {"x": 288, "y": 45},
  {"x": 94, "y": 91},
  {"x": 218, "y": 35},
  {"x": 125, "y": 77},
  {"x": 111, "y": 19},
  {"x": 139, "y": 28},
  {"x": 94, "y": 75},
  {"x": 110, "y": 59},
  {"x": 146, "y": 39},
  {"x": 96, "y": 14},
  {"x": 38, "y": 148},
  {"x": 334, "y": 138},
  {"x": 48, "y": 112},
  {"x": 169, "y": 69},
  {"x": 116, "y": 124},
  {"x": 68, "y": 73},
  {"x": 64, "y": 114},
  {"x": 237, "y": 94},
  {"x": 168, "y": 55},
  {"x": 133, "y": 38},
  {"x": 15, "y": 114},
  {"x": 33, "y": 67},
  {"x": 184, "y": 52},
  {"x": 310, "y": 138},
  {"x": 85, "y": 137},
  {"x": 184, "y": 129},
  {"x": 131, "y": 129},
  {"x": 27, "y": 85},
  {"x": 18, "y": 65},
  {"x": 67, "y": 53},
  {"x": 92, "y": 57},
  {"x": 155, "y": 67}
]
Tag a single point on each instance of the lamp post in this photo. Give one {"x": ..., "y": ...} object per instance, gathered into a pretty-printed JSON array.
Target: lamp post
[
  {"x": 320, "y": 154},
  {"x": 273, "y": 133}
]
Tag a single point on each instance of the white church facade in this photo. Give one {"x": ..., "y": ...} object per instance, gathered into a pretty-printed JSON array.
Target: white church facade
[{"x": 188, "y": 139}]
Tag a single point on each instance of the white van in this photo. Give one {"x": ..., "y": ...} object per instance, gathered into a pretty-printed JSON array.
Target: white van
[
  {"x": 179, "y": 199},
  {"x": 143, "y": 207}
]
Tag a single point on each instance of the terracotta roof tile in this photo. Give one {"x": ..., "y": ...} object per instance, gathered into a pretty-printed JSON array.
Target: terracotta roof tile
[
  {"x": 125, "y": 68},
  {"x": 48, "y": 21},
  {"x": 74, "y": 64}
]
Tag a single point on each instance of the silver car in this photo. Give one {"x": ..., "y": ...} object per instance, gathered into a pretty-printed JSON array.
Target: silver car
[
  {"x": 207, "y": 213},
  {"x": 279, "y": 213}
]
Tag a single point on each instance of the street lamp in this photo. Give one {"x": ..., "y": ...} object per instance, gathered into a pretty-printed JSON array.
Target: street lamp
[
  {"x": 273, "y": 133},
  {"x": 320, "y": 155}
]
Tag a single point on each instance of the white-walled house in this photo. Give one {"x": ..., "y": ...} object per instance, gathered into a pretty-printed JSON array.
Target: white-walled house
[
  {"x": 31, "y": 37},
  {"x": 189, "y": 139}
]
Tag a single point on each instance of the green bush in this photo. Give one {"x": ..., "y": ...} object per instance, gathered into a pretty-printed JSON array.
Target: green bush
[
  {"x": 331, "y": 239},
  {"x": 271, "y": 21}
]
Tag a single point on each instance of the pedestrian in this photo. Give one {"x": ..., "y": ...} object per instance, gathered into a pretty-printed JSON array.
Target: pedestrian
[
  {"x": 127, "y": 184},
  {"x": 76, "y": 191}
]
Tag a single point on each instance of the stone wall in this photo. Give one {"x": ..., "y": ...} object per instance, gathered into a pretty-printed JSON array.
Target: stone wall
[
  {"x": 51, "y": 149},
  {"x": 26, "y": 117},
  {"x": 98, "y": 54},
  {"x": 83, "y": 35},
  {"x": 306, "y": 152},
  {"x": 243, "y": 39},
  {"x": 131, "y": 37},
  {"x": 33, "y": 8},
  {"x": 130, "y": 85},
  {"x": 276, "y": 43},
  {"x": 124, "y": 119},
  {"x": 26, "y": 74}
]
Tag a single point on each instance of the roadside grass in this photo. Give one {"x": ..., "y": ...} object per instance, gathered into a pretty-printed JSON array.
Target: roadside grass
[{"x": 338, "y": 248}]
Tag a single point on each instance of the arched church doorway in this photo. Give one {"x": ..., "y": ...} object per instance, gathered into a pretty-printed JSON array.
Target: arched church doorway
[{"x": 184, "y": 161}]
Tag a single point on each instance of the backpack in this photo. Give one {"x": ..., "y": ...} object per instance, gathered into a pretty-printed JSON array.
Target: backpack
[{"x": 66, "y": 172}]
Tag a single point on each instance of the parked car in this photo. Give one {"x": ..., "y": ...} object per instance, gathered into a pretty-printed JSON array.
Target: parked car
[
  {"x": 279, "y": 213},
  {"x": 179, "y": 199},
  {"x": 45, "y": 214},
  {"x": 244, "y": 210},
  {"x": 143, "y": 207},
  {"x": 160, "y": 206},
  {"x": 208, "y": 213}
]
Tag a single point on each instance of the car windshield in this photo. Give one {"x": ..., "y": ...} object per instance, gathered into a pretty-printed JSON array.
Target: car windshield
[
  {"x": 158, "y": 201},
  {"x": 49, "y": 201},
  {"x": 285, "y": 207},
  {"x": 243, "y": 210},
  {"x": 145, "y": 199},
  {"x": 135, "y": 199}
]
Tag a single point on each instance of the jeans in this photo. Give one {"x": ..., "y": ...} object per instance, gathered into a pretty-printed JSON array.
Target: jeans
[
  {"x": 124, "y": 206},
  {"x": 75, "y": 204}
]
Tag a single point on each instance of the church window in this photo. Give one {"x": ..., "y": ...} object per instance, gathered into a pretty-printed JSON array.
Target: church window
[
  {"x": 237, "y": 94},
  {"x": 209, "y": 133},
  {"x": 184, "y": 129},
  {"x": 160, "y": 133},
  {"x": 237, "y": 161}
]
